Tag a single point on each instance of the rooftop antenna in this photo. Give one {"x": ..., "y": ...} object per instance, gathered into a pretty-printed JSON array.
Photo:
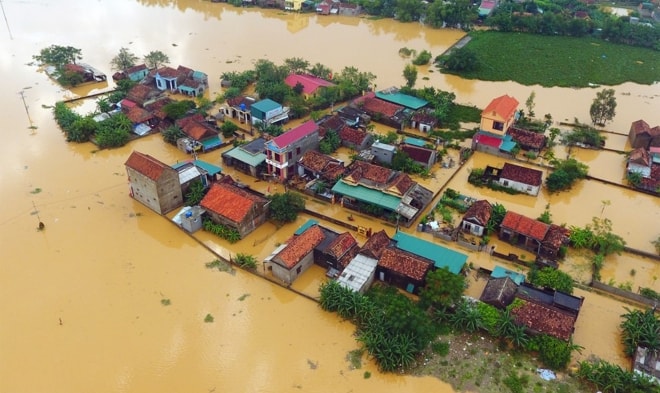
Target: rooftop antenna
[{"x": 41, "y": 226}]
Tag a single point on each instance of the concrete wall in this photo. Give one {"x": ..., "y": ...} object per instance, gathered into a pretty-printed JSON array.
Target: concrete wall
[{"x": 288, "y": 276}]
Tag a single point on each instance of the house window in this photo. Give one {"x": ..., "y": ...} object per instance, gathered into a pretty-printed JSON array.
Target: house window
[
  {"x": 505, "y": 183},
  {"x": 299, "y": 269},
  {"x": 498, "y": 125},
  {"x": 298, "y": 151},
  {"x": 529, "y": 188},
  {"x": 277, "y": 157},
  {"x": 290, "y": 155}
]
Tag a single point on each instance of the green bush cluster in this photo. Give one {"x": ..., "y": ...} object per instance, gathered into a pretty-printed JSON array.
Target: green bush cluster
[
  {"x": 222, "y": 231},
  {"x": 611, "y": 378}
]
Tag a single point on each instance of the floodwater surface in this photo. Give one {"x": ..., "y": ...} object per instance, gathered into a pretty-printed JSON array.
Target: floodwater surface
[{"x": 111, "y": 297}]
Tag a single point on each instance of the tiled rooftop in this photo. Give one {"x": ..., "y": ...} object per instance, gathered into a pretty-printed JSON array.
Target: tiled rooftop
[
  {"x": 363, "y": 170},
  {"x": 480, "y": 210},
  {"x": 138, "y": 115},
  {"x": 301, "y": 245},
  {"x": 531, "y": 139},
  {"x": 230, "y": 201},
  {"x": 418, "y": 154},
  {"x": 525, "y": 225},
  {"x": 352, "y": 135},
  {"x": 544, "y": 319},
  {"x": 639, "y": 127},
  {"x": 376, "y": 244},
  {"x": 404, "y": 263},
  {"x": 504, "y": 106},
  {"x": 521, "y": 174},
  {"x": 146, "y": 165},
  {"x": 370, "y": 103},
  {"x": 556, "y": 236},
  {"x": 341, "y": 244}
]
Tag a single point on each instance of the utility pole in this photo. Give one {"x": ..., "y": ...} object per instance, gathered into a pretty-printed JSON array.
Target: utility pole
[
  {"x": 27, "y": 111},
  {"x": 4, "y": 14}
]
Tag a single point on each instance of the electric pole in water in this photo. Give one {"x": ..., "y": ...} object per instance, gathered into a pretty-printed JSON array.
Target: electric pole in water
[{"x": 27, "y": 111}]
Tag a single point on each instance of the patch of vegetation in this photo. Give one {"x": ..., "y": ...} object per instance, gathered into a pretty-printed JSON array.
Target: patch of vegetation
[
  {"x": 222, "y": 231},
  {"x": 649, "y": 293},
  {"x": 423, "y": 58},
  {"x": 208, "y": 318},
  {"x": 243, "y": 297},
  {"x": 220, "y": 265},
  {"x": 584, "y": 135},
  {"x": 640, "y": 328},
  {"x": 245, "y": 261},
  {"x": 566, "y": 172},
  {"x": 367, "y": 375},
  {"x": 37, "y": 190},
  {"x": 284, "y": 207},
  {"x": 610, "y": 377},
  {"x": 440, "y": 348},
  {"x": 608, "y": 63},
  {"x": 551, "y": 278},
  {"x": 354, "y": 357},
  {"x": 165, "y": 302}
]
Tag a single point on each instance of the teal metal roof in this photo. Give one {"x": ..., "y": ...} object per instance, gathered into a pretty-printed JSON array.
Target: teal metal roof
[
  {"x": 305, "y": 226},
  {"x": 212, "y": 142},
  {"x": 210, "y": 168},
  {"x": 507, "y": 144},
  {"x": 500, "y": 272},
  {"x": 403, "y": 100},
  {"x": 198, "y": 75},
  {"x": 265, "y": 105},
  {"x": 442, "y": 257},
  {"x": 369, "y": 195},
  {"x": 241, "y": 155},
  {"x": 414, "y": 141}
]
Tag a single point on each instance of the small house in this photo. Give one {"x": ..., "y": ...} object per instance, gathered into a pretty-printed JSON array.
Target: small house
[
  {"x": 641, "y": 135},
  {"x": 310, "y": 85},
  {"x": 499, "y": 115},
  {"x": 269, "y": 112},
  {"x": 424, "y": 121},
  {"x": 297, "y": 255},
  {"x": 475, "y": 220},
  {"x": 382, "y": 111},
  {"x": 316, "y": 165},
  {"x": 383, "y": 152},
  {"x": 340, "y": 251},
  {"x": 196, "y": 170},
  {"x": 499, "y": 292},
  {"x": 153, "y": 183},
  {"x": 239, "y": 108},
  {"x": 403, "y": 269},
  {"x": 359, "y": 274},
  {"x": 520, "y": 178},
  {"x": 526, "y": 139},
  {"x": 441, "y": 257},
  {"x": 249, "y": 158},
  {"x": 523, "y": 232},
  {"x": 421, "y": 155},
  {"x": 143, "y": 95},
  {"x": 376, "y": 244},
  {"x": 201, "y": 134},
  {"x": 235, "y": 207},
  {"x": 353, "y": 138}
]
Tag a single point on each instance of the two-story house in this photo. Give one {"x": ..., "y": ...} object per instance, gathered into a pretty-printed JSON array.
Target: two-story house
[
  {"x": 269, "y": 112},
  {"x": 284, "y": 151},
  {"x": 499, "y": 115}
]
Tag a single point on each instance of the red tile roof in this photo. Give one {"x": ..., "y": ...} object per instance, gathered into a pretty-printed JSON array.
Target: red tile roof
[
  {"x": 352, "y": 135},
  {"x": 640, "y": 156},
  {"x": 544, "y": 319},
  {"x": 310, "y": 83},
  {"x": 526, "y": 138},
  {"x": 360, "y": 170},
  {"x": 230, "y": 201},
  {"x": 77, "y": 68},
  {"x": 525, "y": 226},
  {"x": 521, "y": 174},
  {"x": 375, "y": 244},
  {"x": 480, "y": 210},
  {"x": 168, "y": 72},
  {"x": 401, "y": 184},
  {"x": 300, "y": 245},
  {"x": 342, "y": 243},
  {"x": 138, "y": 115},
  {"x": 417, "y": 153},
  {"x": 405, "y": 263},
  {"x": 296, "y": 134},
  {"x": 639, "y": 127},
  {"x": 556, "y": 236},
  {"x": 146, "y": 165},
  {"x": 504, "y": 106},
  {"x": 425, "y": 117},
  {"x": 195, "y": 127},
  {"x": 370, "y": 103},
  {"x": 140, "y": 93},
  {"x": 327, "y": 166}
]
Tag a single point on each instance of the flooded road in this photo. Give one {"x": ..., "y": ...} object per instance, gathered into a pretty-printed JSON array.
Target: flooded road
[{"x": 84, "y": 302}]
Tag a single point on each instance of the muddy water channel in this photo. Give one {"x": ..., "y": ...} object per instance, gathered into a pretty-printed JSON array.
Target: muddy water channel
[{"x": 111, "y": 297}]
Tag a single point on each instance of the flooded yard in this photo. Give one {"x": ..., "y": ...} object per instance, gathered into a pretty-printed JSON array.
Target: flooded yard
[{"x": 111, "y": 297}]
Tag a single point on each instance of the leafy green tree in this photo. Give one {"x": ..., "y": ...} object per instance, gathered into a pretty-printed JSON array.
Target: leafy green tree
[
  {"x": 565, "y": 174},
  {"x": 529, "y": 104},
  {"x": 634, "y": 178},
  {"x": 553, "y": 352},
  {"x": 284, "y": 207},
  {"x": 603, "y": 107},
  {"x": 172, "y": 134},
  {"x": 155, "y": 59},
  {"x": 497, "y": 214},
  {"x": 296, "y": 65},
  {"x": 410, "y": 75},
  {"x": 422, "y": 58},
  {"x": 640, "y": 328},
  {"x": 82, "y": 129},
  {"x": 321, "y": 71},
  {"x": 103, "y": 105},
  {"x": 124, "y": 60},
  {"x": 443, "y": 289},
  {"x": 551, "y": 278},
  {"x": 390, "y": 138},
  {"x": 69, "y": 78},
  {"x": 58, "y": 56},
  {"x": 177, "y": 109},
  {"x": 228, "y": 129},
  {"x": 195, "y": 193},
  {"x": 462, "y": 60},
  {"x": 408, "y": 10},
  {"x": 330, "y": 142}
]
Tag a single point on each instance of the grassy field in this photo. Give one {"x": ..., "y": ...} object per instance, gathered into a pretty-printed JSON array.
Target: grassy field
[{"x": 560, "y": 61}]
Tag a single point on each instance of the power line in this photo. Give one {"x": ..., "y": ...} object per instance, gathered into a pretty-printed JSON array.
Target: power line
[{"x": 4, "y": 14}]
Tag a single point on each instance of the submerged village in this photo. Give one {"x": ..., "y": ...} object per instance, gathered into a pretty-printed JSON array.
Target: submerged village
[{"x": 376, "y": 185}]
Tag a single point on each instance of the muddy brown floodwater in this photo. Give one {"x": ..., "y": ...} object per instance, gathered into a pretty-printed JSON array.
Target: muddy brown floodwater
[{"x": 81, "y": 302}]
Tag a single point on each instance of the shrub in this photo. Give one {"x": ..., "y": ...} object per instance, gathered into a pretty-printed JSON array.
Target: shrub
[{"x": 245, "y": 261}]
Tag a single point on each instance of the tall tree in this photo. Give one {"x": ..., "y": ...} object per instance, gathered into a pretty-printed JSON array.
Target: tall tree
[
  {"x": 285, "y": 207},
  {"x": 296, "y": 65},
  {"x": 410, "y": 75},
  {"x": 155, "y": 59},
  {"x": 443, "y": 288},
  {"x": 124, "y": 60},
  {"x": 529, "y": 104},
  {"x": 603, "y": 108},
  {"x": 321, "y": 71},
  {"x": 58, "y": 56}
]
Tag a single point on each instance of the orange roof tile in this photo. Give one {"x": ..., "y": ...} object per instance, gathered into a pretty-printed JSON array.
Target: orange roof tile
[
  {"x": 480, "y": 210},
  {"x": 544, "y": 319},
  {"x": 504, "y": 106},
  {"x": 405, "y": 263},
  {"x": 146, "y": 165},
  {"x": 342, "y": 243},
  {"x": 230, "y": 201},
  {"x": 375, "y": 244},
  {"x": 525, "y": 226},
  {"x": 301, "y": 245}
]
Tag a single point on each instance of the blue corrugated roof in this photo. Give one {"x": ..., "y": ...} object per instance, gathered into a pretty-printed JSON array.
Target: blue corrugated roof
[
  {"x": 442, "y": 257},
  {"x": 265, "y": 105},
  {"x": 210, "y": 168},
  {"x": 402, "y": 99},
  {"x": 499, "y": 272},
  {"x": 304, "y": 226}
]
